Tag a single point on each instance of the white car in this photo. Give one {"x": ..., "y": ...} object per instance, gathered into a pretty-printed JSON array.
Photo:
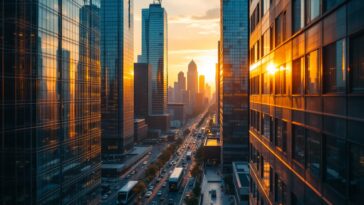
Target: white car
[
  {"x": 159, "y": 193},
  {"x": 148, "y": 194}
]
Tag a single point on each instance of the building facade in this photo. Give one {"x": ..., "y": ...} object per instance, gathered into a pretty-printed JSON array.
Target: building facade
[
  {"x": 307, "y": 114},
  {"x": 142, "y": 84},
  {"x": 234, "y": 77},
  {"x": 50, "y": 102},
  {"x": 201, "y": 85},
  {"x": 117, "y": 65},
  {"x": 155, "y": 53}
]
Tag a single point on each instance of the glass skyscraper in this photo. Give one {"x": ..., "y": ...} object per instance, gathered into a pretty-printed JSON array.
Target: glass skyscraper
[
  {"x": 306, "y": 104},
  {"x": 50, "y": 102},
  {"x": 117, "y": 68},
  {"x": 234, "y": 70},
  {"x": 155, "y": 53}
]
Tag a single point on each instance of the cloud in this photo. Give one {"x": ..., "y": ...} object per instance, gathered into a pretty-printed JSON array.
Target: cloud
[{"x": 210, "y": 14}]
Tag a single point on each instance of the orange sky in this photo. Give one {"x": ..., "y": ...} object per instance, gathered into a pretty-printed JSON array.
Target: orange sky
[{"x": 193, "y": 34}]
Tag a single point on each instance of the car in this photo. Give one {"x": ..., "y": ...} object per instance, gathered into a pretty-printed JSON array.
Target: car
[
  {"x": 164, "y": 184},
  {"x": 158, "y": 180},
  {"x": 159, "y": 193},
  {"x": 133, "y": 172},
  {"x": 105, "y": 196},
  {"x": 150, "y": 188},
  {"x": 162, "y": 199},
  {"x": 148, "y": 194},
  {"x": 128, "y": 176}
]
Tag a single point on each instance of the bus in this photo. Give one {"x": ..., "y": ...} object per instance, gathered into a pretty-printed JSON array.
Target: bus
[
  {"x": 175, "y": 180},
  {"x": 188, "y": 155},
  {"x": 127, "y": 193}
]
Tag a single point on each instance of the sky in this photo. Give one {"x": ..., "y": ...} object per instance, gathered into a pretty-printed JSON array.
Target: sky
[{"x": 193, "y": 32}]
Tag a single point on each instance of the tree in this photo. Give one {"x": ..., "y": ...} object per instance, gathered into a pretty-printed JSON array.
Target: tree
[
  {"x": 140, "y": 187},
  {"x": 196, "y": 171}
]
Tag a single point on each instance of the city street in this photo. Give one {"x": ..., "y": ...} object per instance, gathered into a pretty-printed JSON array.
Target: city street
[{"x": 159, "y": 185}]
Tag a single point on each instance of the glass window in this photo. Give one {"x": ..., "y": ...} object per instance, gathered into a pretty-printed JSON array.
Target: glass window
[
  {"x": 312, "y": 73},
  {"x": 298, "y": 14},
  {"x": 281, "y": 134},
  {"x": 266, "y": 175},
  {"x": 356, "y": 173},
  {"x": 280, "y": 25},
  {"x": 299, "y": 144},
  {"x": 334, "y": 67},
  {"x": 280, "y": 81},
  {"x": 357, "y": 63},
  {"x": 312, "y": 10},
  {"x": 281, "y": 191},
  {"x": 328, "y": 4},
  {"x": 266, "y": 83},
  {"x": 266, "y": 42},
  {"x": 335, "y": 163},
  {"x": 297, "y": 68},
  {"x": 267, "y": 125},
  {"x": 313, "y": 152}
]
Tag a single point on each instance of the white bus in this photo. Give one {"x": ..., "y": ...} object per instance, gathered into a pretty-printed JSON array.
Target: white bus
[
  {"x": 188, "y": 155},
  {"x": 127, "y": 193},
  {"x": 175, "y": 179}
]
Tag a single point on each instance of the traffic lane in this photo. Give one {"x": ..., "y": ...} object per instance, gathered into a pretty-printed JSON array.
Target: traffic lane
[
  {"x": 185, "y": 143},
  {"x": 138, "y": 168},
  {"x": 178, "y": 161}
]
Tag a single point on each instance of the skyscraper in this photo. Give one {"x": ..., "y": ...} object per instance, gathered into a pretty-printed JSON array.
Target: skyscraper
[
  {"x": 117, "y": 65},
  {"x": 192, "y": 85},
  {"x": 182, "y": 80},
  {"x": 306, "y": 104},
  {"x": 155, "y": 53},
  {"x": 234, "y": 76},
  {"x": 50, "y": 102},
  {"x": 201, "y": 85}
]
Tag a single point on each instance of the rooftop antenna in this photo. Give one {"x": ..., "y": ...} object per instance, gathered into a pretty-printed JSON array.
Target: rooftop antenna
[{"x": 157, "y": 1}]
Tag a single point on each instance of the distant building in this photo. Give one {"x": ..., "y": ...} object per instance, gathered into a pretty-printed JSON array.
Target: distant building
[
  {"x": 306, "y": 102},
  {"x": 177, "y": 114},
  {"x": 50, "y": 102},
  {"x": 182, "y": 81},
  {"x": 234, "y": 78},
  {"x": 192, "y": 85},
  {"x": 142, "y": 90},
  {"x": 241, "y": 180},
  {"x": 171, "y": 92},
  {"x": 140, "y": 130},
  {"x": 201, "y": 85},
  {"x": 117, "y": 68}
]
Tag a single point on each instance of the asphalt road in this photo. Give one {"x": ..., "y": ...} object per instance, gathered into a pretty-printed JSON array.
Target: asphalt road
[
  {"x": 139, "y": 168},
  {"x": 190, "y": 144}
]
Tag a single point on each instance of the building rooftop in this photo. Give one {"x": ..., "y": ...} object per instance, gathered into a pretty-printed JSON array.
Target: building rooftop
[{"x": 212, "y": 142}]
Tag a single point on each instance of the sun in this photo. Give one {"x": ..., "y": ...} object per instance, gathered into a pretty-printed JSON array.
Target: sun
[{"x": 207, "y": 66}]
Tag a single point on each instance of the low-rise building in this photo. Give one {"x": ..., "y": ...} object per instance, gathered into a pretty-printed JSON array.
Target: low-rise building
[{"x": 241, "y": 182}]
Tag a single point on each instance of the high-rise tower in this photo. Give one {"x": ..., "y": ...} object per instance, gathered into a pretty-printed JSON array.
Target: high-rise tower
[
  {"x": 234, "y": 72},
  {"x": 117, "y": 68},
  {"x": 50, "y": 102}
]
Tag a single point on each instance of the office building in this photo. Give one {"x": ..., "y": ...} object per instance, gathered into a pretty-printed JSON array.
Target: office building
[
  {"x": 140, "y": 130},
  {"x": 234, "y": 77},
  {"x": 306, "y": 104},
  {"x": 50, "y": 102},
  {"x": 155, "y": 53},
  {"x": 192, "y": 86},
  {"x": 117, "y": 68},
  {"x": 142, "y": 86},
  {"x": 177, "y": 114},
  {"x": 182, "y": 80}
]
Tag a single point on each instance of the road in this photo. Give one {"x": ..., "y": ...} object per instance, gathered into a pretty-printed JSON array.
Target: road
[
  {"x": 161, "y": 183},
  {"x": 190, "y": 144}
]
